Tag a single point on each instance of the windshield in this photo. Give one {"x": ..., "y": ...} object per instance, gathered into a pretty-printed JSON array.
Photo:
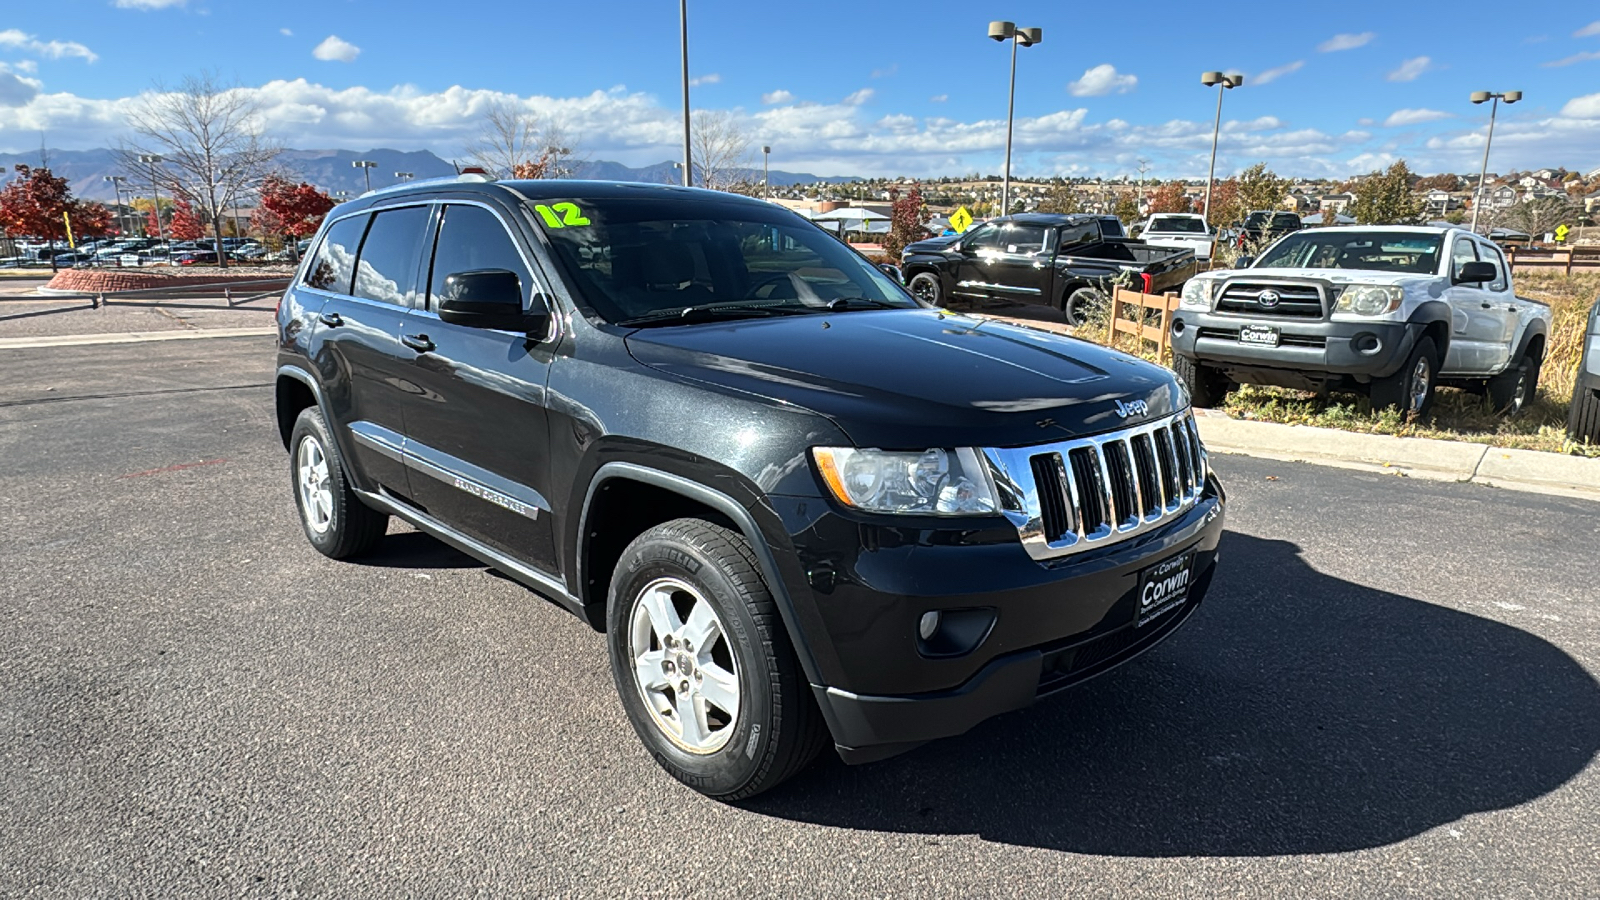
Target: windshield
[
  {"x": 1371, "y": 250},
  {"x": 636, "y": 259},
  {"x": 1178, "y": 225}
]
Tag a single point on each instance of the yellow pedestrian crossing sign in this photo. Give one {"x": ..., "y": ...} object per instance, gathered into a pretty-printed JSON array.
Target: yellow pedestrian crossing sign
[
  {"x": 1561, "y": 233},
  {"x": 961, "y": 220}
]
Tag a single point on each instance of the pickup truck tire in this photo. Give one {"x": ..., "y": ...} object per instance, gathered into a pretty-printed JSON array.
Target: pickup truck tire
[
  {"x": 692, "y": 630},
  {"x": 1411, "y": 389},
  {"x": 1514, "y": 389},
  {"x": 925, "y": 287},
  {"x": 335, "y": 520},
  {"x": 1583, "y": 421},
  {"x": 1080, "y": 302},
  {"x": 1207, "y": 386}
]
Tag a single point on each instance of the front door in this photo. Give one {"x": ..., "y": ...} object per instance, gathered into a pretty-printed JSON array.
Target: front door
[{"x": 477, "y": 434}]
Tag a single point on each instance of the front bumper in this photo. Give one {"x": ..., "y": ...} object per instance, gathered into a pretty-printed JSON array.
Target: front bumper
[
  {"x": 1325, "y": 350},
  {"x": 1054, "y": 624}
]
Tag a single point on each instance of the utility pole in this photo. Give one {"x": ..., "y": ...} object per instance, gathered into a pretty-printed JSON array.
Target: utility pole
[
  {"x": 152, "y": 159},
  {"x": 683, "y": 43}
]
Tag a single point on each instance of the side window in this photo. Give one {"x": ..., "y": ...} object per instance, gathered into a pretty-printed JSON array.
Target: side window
[
  {"x": 984, "y": 237},
  {"x": 1079, "y": 234},
  {"x": 470, "y": 239},
  {"x": 335, "y": 262},
  {"x": 1015, "y": 238},
  {"x": 387, "y": 268},
  {"x": 1461, "y": 254},
  {"x": 1492, "y": 255}
]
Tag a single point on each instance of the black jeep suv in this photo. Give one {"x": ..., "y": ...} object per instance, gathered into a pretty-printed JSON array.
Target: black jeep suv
[{"x": 800, "y": 504}]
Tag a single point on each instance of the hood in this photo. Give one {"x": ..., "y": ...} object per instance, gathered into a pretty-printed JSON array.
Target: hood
[
  {"x": 913, "y": 379},
  {"x": 931, "y": 245}
]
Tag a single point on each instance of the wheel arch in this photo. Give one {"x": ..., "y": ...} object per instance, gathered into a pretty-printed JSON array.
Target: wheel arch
[
  {"x": 294, "y": 391},
  {"x": 678, "y": 497},
  {"x": 1532, "y": 345}
]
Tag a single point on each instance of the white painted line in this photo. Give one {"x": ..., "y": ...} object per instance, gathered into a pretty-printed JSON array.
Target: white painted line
[{"x": 132, "y": 337}]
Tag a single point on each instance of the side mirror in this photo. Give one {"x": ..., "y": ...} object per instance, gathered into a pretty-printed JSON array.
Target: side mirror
[
  {"x": 1476, "y": 273},
  {"x": 1244, "y": 262},
  {"x": 893, "y": 271},
  {"x": 490, "y": 298}
]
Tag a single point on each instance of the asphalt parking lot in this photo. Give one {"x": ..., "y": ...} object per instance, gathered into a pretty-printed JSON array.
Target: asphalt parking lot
[{"x": 1391, "y": 691}]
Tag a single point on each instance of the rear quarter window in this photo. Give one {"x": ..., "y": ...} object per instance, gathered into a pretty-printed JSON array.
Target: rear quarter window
[{"x": 334, "y": 265}]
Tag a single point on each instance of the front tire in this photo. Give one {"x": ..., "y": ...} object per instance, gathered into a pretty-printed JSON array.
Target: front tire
[
  {"x": 335, "y": 520},
  {"x": 1207, "y": 387},
  {"x": 703, "y": 665},
  {"x": 925, "y": 286},
  {"x": 1411, "y": 389}
]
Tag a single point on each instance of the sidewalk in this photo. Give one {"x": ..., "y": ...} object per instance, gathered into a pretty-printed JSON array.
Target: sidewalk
[{"x": 1519, "y": 470}]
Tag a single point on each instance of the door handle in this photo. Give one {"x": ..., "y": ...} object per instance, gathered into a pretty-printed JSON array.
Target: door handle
[
  {"x": 417, "y": 342},
  {"x": 332, "y": 320}
]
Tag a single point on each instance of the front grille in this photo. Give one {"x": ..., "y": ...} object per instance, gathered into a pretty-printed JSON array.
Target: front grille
[
  {"x": 1068, "y": 497},
  {"x": 1295, "y": 301}
]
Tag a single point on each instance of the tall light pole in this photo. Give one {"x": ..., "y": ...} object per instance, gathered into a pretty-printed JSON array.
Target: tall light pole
[
  {"x": 403, "y": 177},
  {"x": 366, "y": 166},
  {"x": 1221, "y": 82},
  {"x": 766, "y": 183},
  {"x": 683, "y": 43},
  {"x": 152, "y": 160},
  {"x": 116, "y": 187},
  {"x": 1481, "y": 97},
  {"x": 1027, "y": 37}
]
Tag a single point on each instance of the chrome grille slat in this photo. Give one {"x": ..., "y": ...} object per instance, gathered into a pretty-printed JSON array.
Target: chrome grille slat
[
  {"x": 1296, "y": 300},
  {"x": 1073, "y": 495}
]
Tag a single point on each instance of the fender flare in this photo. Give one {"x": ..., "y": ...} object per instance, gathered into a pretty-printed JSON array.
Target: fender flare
[
  {"x": 729, "y": 507},
  {"x": 1432, "y": 312},
  {"x": 1535, "y": 328},
  {"x": 299, "y": 374}
]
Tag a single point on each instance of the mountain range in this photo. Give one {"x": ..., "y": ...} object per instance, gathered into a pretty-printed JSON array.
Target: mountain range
[{"x": 86, "y": 170}]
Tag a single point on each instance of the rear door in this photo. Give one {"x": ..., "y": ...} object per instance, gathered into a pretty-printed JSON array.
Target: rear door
[
  {"x": 357, "y": 352},
  {"x": 477, "y": 431},
  {"x": 1480, "y": 319}
]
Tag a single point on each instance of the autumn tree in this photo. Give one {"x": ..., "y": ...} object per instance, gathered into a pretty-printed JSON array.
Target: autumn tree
[
  {"x": 1386, "y": 198},
  {"x": 91, "y": 220},
  {"x": 1226, "y": 210},
  {"x": 185, "y": 225},
  {"x": 297, "y": 208},
  {"x": 1445, "y": 182},
  {"x": 1540, "y": 216},
  {"x": 1170, "y": 198},
  {"x": 1261, "y": 188},
  {"x": 906, "y": 219},
  {"x": 1061, "y": 199},
  {"x": 209, "y": 137},
  {"x": 35, "y": 203},
  {"x": 1126, "y": 208}
]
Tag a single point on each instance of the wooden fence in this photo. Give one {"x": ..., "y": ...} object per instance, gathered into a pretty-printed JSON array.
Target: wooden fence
[
  {"x": 1146, "y": 317},
  {"x": 1584, "y": 259}
]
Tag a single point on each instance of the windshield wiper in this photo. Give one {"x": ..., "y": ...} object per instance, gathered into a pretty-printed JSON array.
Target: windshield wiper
[
  {"x": 842, "y": 303},
  {"x": 684, "y": 315}
]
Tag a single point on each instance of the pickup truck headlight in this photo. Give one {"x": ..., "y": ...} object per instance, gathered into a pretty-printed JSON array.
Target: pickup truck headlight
[
  {"x": 928, "y": 483},
  {"x": 1369, "y": 300},
  {"x": 1196, "y": 294}
]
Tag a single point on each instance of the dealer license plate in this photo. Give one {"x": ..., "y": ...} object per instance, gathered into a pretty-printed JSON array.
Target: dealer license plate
[
  {"x": 1163, "y": 587},
  {"x": 1265, "y": 335}
]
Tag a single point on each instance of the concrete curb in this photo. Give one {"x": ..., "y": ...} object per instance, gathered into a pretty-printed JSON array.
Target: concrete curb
[
  {"x": 132, "y": 337},
  {"x": 1518, "y": 470}
]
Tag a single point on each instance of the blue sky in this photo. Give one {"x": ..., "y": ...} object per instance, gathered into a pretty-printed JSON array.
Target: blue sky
[{"x": 846, "y": 88}]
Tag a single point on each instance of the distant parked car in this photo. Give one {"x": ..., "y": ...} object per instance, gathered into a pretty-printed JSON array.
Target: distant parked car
[
  {"x": 1186, "y": 231},
  {"x": 195, "y": 257},
  {"x": 1583, "y": 422},
  {"x": 1262, "y": 227}
]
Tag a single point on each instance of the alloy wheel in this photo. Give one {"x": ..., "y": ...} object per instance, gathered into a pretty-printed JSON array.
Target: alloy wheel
[
  {"x": 1421, "y": 376},
  {"x": 316, "y": 492},
  {"x": 683, "y": 665}
]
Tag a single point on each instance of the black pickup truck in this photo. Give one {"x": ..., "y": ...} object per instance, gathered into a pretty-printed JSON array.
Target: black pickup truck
[{"x": 1040, "y": 261}]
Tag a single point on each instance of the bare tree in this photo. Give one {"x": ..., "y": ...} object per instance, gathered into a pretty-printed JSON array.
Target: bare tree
[
  {"x": 208, "y": 135},
  {"x": 1539, "y": 216},
  {"x": 513, "y": 142},
  {"x": 719, "y": 149}
]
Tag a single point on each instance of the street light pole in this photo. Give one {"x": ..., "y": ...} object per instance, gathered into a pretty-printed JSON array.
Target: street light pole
[
  {"x": 404, "y": 176},
  {"x": 766, "y": 182},
  {"x": 1222, "y": 82},
  {"x": 1483, "y": 171},
  {"x": 116, "y": 188},
  {"x": 366, "y": 166},
  {"x": 1027, "y": 37},
  {"x": 155, "y": 193},
  {"x": 683, "y": 43}
]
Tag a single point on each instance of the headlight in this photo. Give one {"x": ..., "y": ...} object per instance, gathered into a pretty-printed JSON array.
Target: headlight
[
  {"x": 1369, "y": 300},
  {"x": 1196, "y": 294},
  {"x": 932, "y": 482}
]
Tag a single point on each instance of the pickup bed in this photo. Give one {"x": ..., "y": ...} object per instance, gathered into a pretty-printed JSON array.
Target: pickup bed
[{"x": 1026, "y": 263}]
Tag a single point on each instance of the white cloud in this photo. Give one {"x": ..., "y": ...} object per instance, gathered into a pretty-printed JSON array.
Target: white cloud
[
  {"x": 859, "y": 97},
  {"x": 25, "y": 65},
  {"x": 148, "y": 4},
  {"x": 938, "y": 98},
  {"x": 778, "y": 96},
  {"x": 286, "y": 32},
  {"x": 1587, "y": 107},
  {"x": 1412, "y": 69},
  {"x": 1101, "y": 80},
  {"x": 1414, "y": 117},
  {"x": 1271, "y": 75},
  {"x": 1366, "y": 121},
  {"x": 886, "y": 71},
  {"x": 14, "y": 89},
  {"x": 1585, "y": 56},
  {"x": 1345, "y": 42},
  {"x": 27, "y": 43},
  {"x": 1590, "y": 30},
  {"x": 698, "y": 80},
  {"x": 335, "y": 49}
]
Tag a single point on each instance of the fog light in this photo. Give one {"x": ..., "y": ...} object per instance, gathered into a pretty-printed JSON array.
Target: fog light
[
  {"x": 928, "y": 625},
  {"x": 1367, "y": 344}
]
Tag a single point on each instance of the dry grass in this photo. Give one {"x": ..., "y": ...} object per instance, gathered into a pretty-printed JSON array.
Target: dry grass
[{"x": 1457, "y": 415}]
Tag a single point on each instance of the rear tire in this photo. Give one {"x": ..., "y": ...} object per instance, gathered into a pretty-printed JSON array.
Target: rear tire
[
  {"x": 692, "y": 629},
  {"x": 335, "y": 520},
  {"x": 1207, "y": 387},
  {"x": 925, "y": 287},
  {"x": 1583, "y": 422},
  {"x": 1080, "y": 303},
  {"x": 1513, "y": 390},
  {"x": 1411, "y": 389}
]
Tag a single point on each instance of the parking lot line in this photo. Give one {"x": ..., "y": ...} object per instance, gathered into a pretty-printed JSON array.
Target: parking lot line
[{"x": 130, "y": 337}]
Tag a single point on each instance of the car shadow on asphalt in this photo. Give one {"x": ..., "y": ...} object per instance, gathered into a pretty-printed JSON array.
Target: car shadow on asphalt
[
  {"x": 1295, "y": 713},
  {"x": 416, "y": 550}
]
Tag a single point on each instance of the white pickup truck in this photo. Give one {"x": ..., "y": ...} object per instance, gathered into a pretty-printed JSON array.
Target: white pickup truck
[
  {"x": 1186, "y": 231},
  {"x": 1390, "y": 311}
]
